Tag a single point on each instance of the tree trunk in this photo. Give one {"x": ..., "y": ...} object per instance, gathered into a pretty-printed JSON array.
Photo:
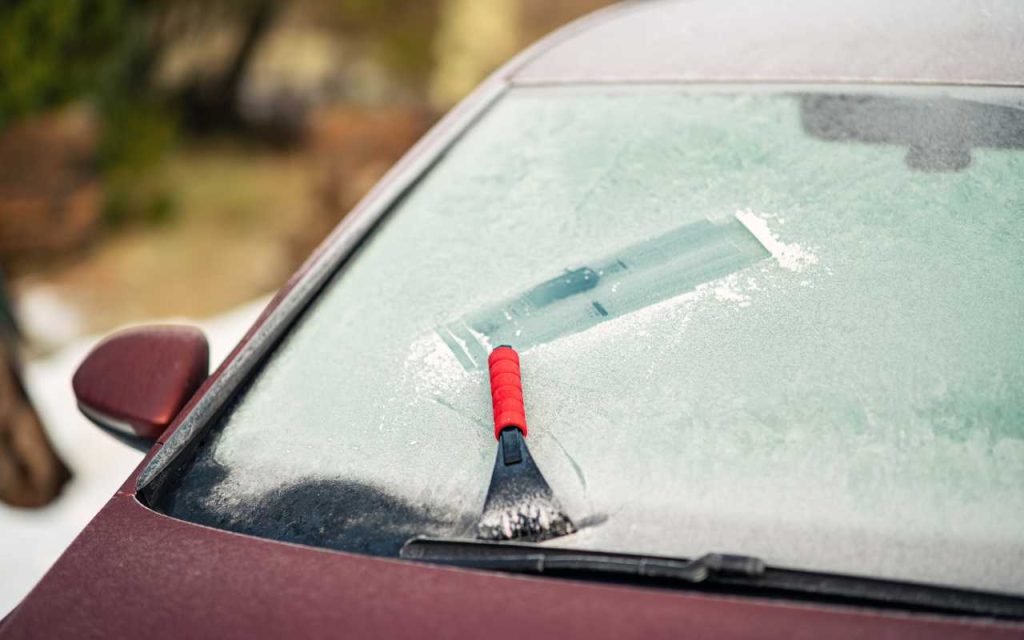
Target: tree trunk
[{"x": 31, "y": 473}]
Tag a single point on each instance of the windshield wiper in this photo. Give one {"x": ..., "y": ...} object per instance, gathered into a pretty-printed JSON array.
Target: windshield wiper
[
  {"x": 536, "y": 559},
  {"x": 714, "y": 572}
]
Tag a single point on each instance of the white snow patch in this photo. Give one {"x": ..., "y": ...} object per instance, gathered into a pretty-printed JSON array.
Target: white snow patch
[
  {"x": 791, "y": 257},
  {"x": 727, "y": 290},
  {"x": 47, "y": 317},
  {"x": 432, "y": 367}
]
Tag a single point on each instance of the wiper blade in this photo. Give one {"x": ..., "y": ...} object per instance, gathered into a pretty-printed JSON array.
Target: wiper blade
[
  {"x": 536, "y": 559},
  {"x": 714, "y": 572}
]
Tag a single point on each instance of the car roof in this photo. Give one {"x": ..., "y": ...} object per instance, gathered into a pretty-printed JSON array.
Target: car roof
[{"x": 915, "y": 41}]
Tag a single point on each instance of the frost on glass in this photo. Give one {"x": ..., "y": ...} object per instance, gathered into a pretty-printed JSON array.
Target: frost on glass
[{"x": 852, "y": 403}]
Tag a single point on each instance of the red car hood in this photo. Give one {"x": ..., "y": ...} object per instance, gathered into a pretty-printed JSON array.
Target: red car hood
[{"x": 137, "y": 573}]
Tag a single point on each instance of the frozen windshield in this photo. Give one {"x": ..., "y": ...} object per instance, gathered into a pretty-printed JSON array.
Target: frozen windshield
[{"x": 785, "y": 323}]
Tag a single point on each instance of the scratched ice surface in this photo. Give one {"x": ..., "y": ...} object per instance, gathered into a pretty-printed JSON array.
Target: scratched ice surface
[
  {"x": 853, "y": 403},
  {"x": 579, "y": 299}
]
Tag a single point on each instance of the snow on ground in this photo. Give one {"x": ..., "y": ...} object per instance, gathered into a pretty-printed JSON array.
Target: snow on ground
[{"x": 31, "y": 540}]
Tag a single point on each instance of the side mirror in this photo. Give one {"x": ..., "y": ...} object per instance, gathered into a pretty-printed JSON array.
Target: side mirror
[{"x": 136, "y": 381}]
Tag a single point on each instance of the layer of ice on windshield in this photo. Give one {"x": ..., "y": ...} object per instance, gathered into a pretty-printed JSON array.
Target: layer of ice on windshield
[{"x": 854, "y": 404}]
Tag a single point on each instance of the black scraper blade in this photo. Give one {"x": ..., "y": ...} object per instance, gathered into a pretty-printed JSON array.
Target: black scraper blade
[{"x": 520, "y": 505}]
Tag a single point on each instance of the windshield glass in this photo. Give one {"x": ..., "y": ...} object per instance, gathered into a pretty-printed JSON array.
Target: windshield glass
[{"x": 785, "y": 323}]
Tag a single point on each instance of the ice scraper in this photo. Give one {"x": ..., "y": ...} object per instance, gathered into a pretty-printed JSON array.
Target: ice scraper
[{"x": 520, "y": 504}]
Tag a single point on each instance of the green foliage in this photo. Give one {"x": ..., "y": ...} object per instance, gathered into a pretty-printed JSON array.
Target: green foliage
[
  {"x": 136, "y": 135},
  {"x": 104, "y": 51},
  {"x": 138, "y": 128},
  {"x": 54, "y": 50}
]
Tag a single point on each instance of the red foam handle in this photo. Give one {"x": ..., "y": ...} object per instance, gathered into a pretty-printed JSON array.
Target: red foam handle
[{"x": 506, "y": 390}]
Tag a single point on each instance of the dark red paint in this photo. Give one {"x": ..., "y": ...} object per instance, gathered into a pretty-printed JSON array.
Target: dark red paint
[
  {"x": 134, "y": 573},
  {"x": 140, "y": 378}
]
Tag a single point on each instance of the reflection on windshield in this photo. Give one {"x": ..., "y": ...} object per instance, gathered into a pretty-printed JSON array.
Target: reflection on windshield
[
  {"x": 638, "y": 276},
  {"x": 939, "y": 132},
  {"x": 333, "y": 513}
]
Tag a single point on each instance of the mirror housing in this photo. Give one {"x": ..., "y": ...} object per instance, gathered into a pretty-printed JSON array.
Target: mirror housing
[{"x": 135, "y": 382}]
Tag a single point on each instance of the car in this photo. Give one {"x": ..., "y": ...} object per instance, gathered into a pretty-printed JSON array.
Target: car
[{"x": 762, "y": 268}]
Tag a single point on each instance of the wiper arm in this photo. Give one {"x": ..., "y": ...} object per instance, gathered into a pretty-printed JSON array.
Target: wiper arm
[
  {"x": 716, "y": 572},
  {"x": 523, "y": 558}
]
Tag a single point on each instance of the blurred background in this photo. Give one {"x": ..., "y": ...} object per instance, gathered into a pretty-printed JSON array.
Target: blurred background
[{"x": 178, "y": 160}]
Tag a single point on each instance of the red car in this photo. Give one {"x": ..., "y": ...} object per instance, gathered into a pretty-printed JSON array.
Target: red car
[{"x": 762, "y": 266}]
